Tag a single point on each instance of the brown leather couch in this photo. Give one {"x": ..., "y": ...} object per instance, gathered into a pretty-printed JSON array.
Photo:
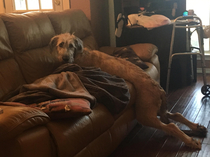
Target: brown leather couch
[{"x": 24, "y": 57}]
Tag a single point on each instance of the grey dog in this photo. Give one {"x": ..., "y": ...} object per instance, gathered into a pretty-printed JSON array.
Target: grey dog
[{"x": 150, "y": 97}]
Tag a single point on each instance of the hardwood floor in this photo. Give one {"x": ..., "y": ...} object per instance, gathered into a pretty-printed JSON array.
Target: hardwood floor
[{"x": 148, "y": 142}]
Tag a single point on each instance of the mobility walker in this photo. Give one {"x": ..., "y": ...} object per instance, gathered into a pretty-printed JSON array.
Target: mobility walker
[{"x": 188, "y": 23}]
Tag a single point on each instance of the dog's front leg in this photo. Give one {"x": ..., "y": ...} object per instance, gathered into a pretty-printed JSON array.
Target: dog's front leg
[
  {"x": 173, "y": 130},
  {"x": 196, "y": 129}
]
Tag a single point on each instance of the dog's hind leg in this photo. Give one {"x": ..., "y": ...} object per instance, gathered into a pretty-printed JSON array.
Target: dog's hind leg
[{"x": 197, "y": 130}]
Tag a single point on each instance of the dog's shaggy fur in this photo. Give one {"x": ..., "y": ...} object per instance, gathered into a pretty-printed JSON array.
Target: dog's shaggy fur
[{"x": 150, "y": 97}]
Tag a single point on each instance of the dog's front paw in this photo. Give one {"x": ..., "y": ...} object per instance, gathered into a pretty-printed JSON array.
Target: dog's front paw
[
  {"x": 201, "y": 131},
  {"x": 201, "y": 128},
  {"x": 194, "y": 144}
]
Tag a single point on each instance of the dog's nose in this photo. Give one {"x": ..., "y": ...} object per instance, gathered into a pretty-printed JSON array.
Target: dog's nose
[{"x": 65, "y": 58}]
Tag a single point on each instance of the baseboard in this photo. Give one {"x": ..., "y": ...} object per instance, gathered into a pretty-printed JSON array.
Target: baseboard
[
  {"x": 207, "y": 57},
  {"x": 199, "y": 70}
]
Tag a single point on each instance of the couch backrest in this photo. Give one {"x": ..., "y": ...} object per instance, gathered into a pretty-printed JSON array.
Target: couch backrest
[
  {"x": 73, "y": 21},
  {"x": 24, "y": 39},
  {"x": 10, "y": 74}
]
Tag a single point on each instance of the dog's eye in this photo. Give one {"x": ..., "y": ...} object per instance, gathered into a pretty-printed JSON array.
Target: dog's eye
[
  {"x": 71, "y": 46},
  {"x": 61, "y": 44}
]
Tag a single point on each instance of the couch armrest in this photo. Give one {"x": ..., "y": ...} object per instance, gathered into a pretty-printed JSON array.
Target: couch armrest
[
  {"x": 15, "y": 120},
  {"x": 108, "y": 49},
  {"x": 145, "y": 51}
]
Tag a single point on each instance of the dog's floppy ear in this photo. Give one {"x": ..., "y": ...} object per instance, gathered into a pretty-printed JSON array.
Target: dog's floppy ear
[
  {"x": 79, "y": 45},
  {"x": 53, "y": 43}
]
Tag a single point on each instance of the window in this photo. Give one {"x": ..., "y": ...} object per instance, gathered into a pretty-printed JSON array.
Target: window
[
  {"x": 202, "y": 10},
  {"x": 34, "y": 5},
  {"x": 22, "y": 5}
]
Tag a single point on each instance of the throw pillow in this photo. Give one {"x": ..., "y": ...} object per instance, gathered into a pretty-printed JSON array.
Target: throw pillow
[
  {"x": 59, "y": 108},
  {"x": 64, "y": 108}
]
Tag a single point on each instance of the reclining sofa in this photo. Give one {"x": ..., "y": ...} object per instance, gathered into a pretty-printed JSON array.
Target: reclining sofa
[{"x": 24, "y": 57}]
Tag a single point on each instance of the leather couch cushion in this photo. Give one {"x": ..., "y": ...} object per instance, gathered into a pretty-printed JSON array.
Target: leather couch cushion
[
  {"x": 73, "y": 135},
  {"x": 10, "y": 74},
  {"x": 10, "y": 77},
  {"x": 145, "y": 51},
  {"x": 37, "y": 63},
  {"x": 67, "y": 21},
  {"x": 5, "y": 48},
  {"x": 128, "y": 54},
  {"x": 107, "y": 142},
  {"x": 28, "y": 31},
  {"x": 31, "y": 33},
  {"x": 35, "y": 142},
  {"x": 152, "y": 71},
  {"x": 15, "y": 120}
]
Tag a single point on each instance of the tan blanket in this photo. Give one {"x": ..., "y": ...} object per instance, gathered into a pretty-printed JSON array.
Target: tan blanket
[
  {"x": 72, "y": 81},
  {"x": 62, "y": 85}
]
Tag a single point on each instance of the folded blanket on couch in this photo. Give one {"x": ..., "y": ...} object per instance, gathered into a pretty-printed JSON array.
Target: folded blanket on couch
[
  {"x": 108, "y": 90},
  {"x": 72, "y": 81}
]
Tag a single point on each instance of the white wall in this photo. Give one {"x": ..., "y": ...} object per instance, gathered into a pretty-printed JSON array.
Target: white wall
[
  {"x": 65, "y": 4},
  {"x": 2, "y": 10},
  {"x": 112, "y": 23},
  {"x": 84, "y": 5}
]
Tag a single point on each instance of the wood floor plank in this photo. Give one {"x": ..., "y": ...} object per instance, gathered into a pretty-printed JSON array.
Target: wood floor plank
[
  {"x": 155, "y": 143},
  {"x": 187, "y": 152},
  {"x": 135, "y": 146},
  {"x": 207, "y": 139},
  {"x": 204, "y": 116},
  {"x": 205, "y": 152},
  {"x": 170, "y": 148}
]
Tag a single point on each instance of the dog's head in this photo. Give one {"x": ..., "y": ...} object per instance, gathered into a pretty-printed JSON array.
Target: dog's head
[{"x": 66, "y": 46}]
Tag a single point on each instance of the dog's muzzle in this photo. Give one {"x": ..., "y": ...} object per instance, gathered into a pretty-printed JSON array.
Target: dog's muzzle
[{"x": 66, "y": 58}]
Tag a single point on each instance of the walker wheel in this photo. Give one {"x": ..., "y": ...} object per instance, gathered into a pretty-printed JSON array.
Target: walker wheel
[{"x": 205, "y": 90}]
